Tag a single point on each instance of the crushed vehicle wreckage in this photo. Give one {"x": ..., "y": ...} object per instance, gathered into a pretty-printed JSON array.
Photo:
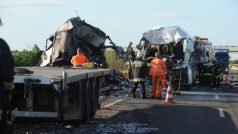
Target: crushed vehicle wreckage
[
  {"x": 177, "y": 48},
  {"x": 56, "y": 89},
  {"x": 76, "y": 33}
]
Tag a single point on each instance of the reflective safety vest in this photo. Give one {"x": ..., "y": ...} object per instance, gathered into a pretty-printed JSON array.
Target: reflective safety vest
[
  {"x": 158, "y": 67},
  {"x": 140, "y": 71},
  {"x": 79, "y": 59}
]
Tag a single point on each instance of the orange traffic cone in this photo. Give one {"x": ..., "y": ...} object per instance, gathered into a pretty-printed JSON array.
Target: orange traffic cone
[{"x": 169, "y": 95}]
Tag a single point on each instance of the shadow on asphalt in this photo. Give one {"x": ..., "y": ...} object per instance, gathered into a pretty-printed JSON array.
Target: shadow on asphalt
[
  {"x": 168, "y": 119},
  {"x": 157, "y": 119}
]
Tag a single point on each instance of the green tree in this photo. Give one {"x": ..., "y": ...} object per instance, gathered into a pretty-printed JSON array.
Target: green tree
[
  {"x": 113, "y": 61},
  {"x": 233, "y": 61},
  {"x": 25, "y": 57},
  {"x": 35, "y": 48}
]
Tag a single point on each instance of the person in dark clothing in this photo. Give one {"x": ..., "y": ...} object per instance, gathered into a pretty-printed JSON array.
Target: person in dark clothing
[
  {"x": 200, "y": 73},
  {"x": 6, "y": 83},
  {"x": 140, "y": 72},
  {"x": 130, "y": 52},
  {"x": 178, "y": 51},
  {"x": 216, "y": 76},
  {"x": 207, "y": 76},
  {"x": 150, "y": 52},
  {"x": 130, "y": 57}
]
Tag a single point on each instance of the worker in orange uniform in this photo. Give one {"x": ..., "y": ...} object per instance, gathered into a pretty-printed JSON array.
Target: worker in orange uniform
[
  {"x": 79, "y": 59},
  {"x": 157, "y": 72}
]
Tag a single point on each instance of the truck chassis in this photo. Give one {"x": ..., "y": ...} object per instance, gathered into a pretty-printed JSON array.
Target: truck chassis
[{"x": 56, "y": 92}]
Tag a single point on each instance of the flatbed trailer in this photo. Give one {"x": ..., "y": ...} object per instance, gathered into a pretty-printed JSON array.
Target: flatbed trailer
[{"x": 59, "y": 92}]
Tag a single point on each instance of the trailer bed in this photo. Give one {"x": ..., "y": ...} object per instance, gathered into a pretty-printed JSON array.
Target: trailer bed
[
  {"x": 46, "y": 74},
  {"x": 59, "y": 92}
]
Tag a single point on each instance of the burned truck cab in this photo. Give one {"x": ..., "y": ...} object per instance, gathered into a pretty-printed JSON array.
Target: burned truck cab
[{"x": 76, "y": 33}]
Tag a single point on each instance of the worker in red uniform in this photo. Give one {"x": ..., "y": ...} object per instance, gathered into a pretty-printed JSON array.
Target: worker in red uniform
[
  {"x": 157, "y": 72},
  {"x": 79, "y": 59}
]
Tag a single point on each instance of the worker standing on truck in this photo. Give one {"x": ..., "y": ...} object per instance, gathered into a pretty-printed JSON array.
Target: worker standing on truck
[
  {"x": 6, "y": 84},
  {"x": 157, "y": 72},
  {"x": 140, "y": 72},
  {"x": 79, "y": 59}
]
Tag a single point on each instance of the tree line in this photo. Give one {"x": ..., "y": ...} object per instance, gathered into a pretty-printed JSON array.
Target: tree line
[{"x": 26, "y": 57}]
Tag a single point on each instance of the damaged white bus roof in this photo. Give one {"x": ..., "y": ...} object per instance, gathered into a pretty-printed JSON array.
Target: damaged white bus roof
[{"x": 165, "y": 35}]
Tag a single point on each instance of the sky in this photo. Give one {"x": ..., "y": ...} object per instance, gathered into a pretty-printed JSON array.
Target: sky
[{"x": 28, "y": 22}]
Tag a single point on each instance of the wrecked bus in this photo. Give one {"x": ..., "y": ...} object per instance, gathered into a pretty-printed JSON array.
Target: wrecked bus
[{"x": 177, "y": 48}]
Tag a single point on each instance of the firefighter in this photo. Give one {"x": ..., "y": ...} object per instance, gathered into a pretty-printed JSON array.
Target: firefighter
[
  {"x": 79, "y": 59},
  {"x": 140, "y": 72},
  {"x": 200, "y": 73},
  {"x": 157, "y": 72},
  {"x": 217, "y": 74},
  {"x": 202, "y": 70},
  {"x": 6, "y": 84},
  {"x": 208, "y": 74}
]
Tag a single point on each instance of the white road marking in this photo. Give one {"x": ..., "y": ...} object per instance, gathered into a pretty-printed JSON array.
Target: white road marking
[
  {"x": 113, "y": 103},
  {"x": 217, "y": 97},
  {"x": 221, "y": 113},
  {"x": 207, "y": 93}
]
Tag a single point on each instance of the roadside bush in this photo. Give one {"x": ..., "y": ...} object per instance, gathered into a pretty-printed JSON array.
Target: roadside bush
[
  {"x": 114, "y": 62},
  {"x": 233, "y": 61},
  {"x": 25, "y": 57}
]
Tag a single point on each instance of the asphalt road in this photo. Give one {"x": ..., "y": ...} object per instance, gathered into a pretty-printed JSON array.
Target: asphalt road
[{"x": 202, "y": 110}]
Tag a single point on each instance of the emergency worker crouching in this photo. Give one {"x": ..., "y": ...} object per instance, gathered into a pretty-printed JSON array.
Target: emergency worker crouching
[
  {"x": 140, "y": 71},
  {"x": 79, "y": 59},
  {"x": 157, "y": 72},
  {"x": 6, "y": 84}
]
